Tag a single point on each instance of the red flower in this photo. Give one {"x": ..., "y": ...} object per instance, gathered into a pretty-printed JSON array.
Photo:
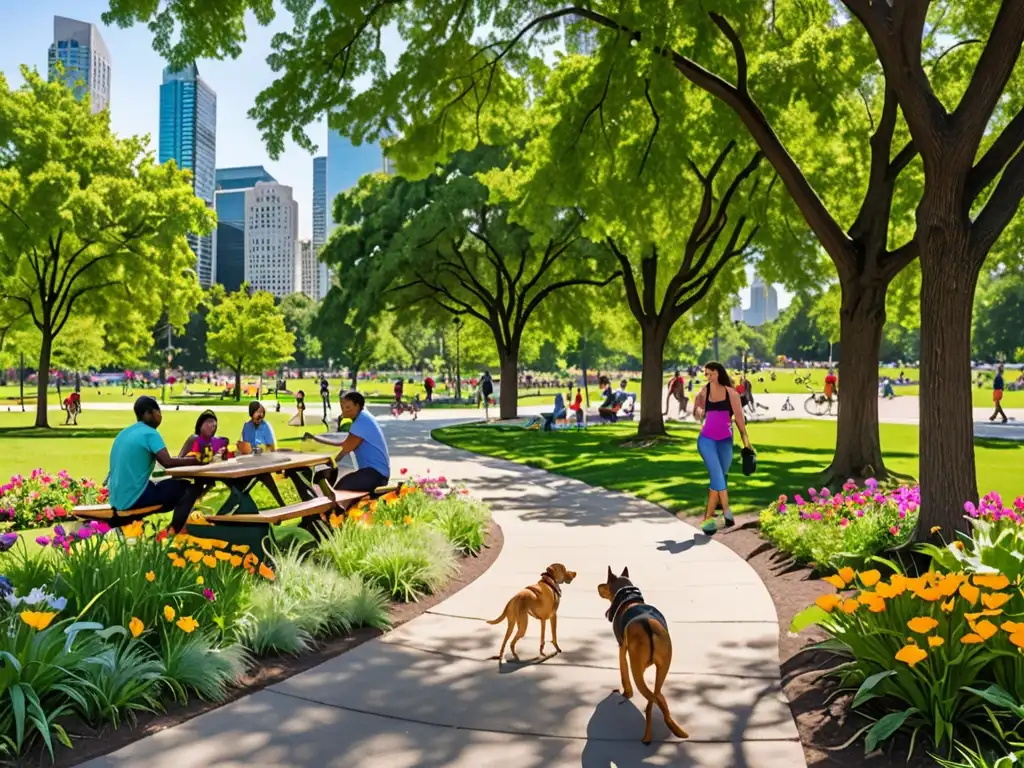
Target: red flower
[
  {"x": 60, "y": 512},
  {"x": 162, "y": 535},
  {"x": 403, "y": 471}
]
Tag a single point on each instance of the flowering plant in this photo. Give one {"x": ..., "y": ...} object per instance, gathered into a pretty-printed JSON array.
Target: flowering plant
[
  {"x": 995, "y": 543},
  {"x": 924, "y": 645},
  {"x": 41, "y": 498},
  {"x": 831, "y": 530}
]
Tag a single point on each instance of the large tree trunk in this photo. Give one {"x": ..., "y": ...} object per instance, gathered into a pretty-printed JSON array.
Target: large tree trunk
[
  {"x": 354, "y": 371},
  {"x": 652, "y": 421},
  {"x": 509, "y": 384},
  {"x": 858, "y": 453},
  {"x": 948, "y": 474},
  {"x": 43, "y": 379}
]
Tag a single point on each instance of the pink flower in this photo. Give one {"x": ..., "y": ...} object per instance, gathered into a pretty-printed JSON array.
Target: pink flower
[
  {"x": 782, "y": 509},
  {"x": 783, "y": 499},
  {"x": 43, "y": 541},
  {"x": 894, "y": 530},
  {"x": 209, "y": 594},
  {"x": 843, "y": 523},
  {"x": 812, "y": 492},
  {"x": 60, "y": 512}
]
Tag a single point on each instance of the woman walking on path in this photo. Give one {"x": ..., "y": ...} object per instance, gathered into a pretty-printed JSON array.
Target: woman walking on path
[{"x": 717, "y": 406}]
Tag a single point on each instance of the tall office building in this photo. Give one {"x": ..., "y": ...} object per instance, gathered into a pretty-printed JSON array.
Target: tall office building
[
  {"x": 309, "y": 270},
  {"x": 764, "y": 303},
  {"x": 271, "y": 234},
  {"x": 188, "y": 135},
  {"x": 80, "y": 49},
  {"x": 229, "y": 200},
  {"x": 345, "y": 164},
  {"x": 320, "y": 219}
]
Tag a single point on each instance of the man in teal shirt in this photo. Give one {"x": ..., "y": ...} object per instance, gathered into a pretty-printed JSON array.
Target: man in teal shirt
[{"x": 135, "y": 452}]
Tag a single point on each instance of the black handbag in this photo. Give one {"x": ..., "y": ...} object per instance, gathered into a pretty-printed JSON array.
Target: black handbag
[{"x": 749, "y": 461}]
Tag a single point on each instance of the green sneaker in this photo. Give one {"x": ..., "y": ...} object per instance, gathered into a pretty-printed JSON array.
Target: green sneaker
[{"x": 709, "y": 526}]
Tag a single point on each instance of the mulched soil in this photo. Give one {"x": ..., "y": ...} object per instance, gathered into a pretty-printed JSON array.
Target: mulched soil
[
  {"x": 90, "y": 743},
  {"x": 826, "y": 727}
]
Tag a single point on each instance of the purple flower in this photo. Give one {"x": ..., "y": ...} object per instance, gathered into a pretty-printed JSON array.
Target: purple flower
[
  {"x": 7, "y": 540},
  {"x": 84, "y": 533},
  {"x": 799, "y": 500},
  {"x": 970, "y": 509},
  {"x": 826, "y": 492},
  {"x": 59, "y": 530},
  {"x": 43, "y": 541},
  {"x": 871, "y": 483},
  {"x": 811, "y": 492},
  {"x": 209, "y": 594},
  {"x": 860, "y": 513}
]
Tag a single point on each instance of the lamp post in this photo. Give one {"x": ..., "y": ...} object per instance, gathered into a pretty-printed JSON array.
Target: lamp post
[{"x": 458, "y": 358}]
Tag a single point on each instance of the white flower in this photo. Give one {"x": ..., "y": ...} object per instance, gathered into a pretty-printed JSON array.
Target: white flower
[{"x": 36, "y": 596}]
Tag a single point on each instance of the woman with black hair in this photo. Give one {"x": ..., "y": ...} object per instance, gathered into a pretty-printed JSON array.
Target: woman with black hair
[
  {"x": 203, "y": 441},
  {"x": 718, "y": 405}
]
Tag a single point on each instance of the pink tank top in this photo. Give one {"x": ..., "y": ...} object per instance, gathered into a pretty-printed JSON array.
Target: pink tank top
[{"x": 718, "y": 418}]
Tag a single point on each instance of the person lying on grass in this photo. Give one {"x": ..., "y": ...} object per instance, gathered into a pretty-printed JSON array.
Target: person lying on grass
[
  {"x": 133, "y": 455},
  {"x": 365, "y": 442}
]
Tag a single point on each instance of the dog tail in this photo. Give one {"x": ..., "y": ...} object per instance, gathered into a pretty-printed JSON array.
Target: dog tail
[{"x": 504, "y": 613}]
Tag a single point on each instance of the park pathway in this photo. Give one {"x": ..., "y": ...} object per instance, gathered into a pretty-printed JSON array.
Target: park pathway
[{"x": 426, "y": 695}]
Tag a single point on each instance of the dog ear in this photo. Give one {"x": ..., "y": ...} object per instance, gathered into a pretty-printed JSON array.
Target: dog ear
[
  {"x": 625, "y": 573},
  {"x": 611, "y": 576}
]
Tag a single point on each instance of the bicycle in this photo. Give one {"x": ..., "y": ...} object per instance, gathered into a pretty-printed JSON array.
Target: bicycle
[{"x": 818, "y": 404}]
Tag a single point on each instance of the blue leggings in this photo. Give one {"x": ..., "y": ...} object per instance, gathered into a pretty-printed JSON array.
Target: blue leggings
[{"x": 717, "y": 455}]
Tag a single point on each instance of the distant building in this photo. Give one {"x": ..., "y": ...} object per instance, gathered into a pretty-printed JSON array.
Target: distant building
[
  {"x": 764, "y": 304},
  {"x": 309, "y": 270},
  {"x": 580, "y": 35},
  {"x": 80, "y": 49},
  {"x": 271, "y": 236},
  {"x": 188, "y": 136},
  {"x": 319, "y": 202},
  {"x": 229, "y": 199},
  {"x": 346, "y": 163}
]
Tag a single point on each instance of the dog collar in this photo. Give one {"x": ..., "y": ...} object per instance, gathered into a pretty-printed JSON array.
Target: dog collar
[
  {"x": 548, "y": 578},
  {"x": 623, "y": 596}
]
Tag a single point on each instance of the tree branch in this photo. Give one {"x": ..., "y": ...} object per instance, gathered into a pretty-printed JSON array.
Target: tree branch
[
  {"x": 547, "y": 291},
  {"x": 657, "y": 125},
  {"x": 1001, "y": 206},
  {"x": 1008, "y": 143},
  {"x": 632, "y": 294},
  {"x": 649, "y": 273}
]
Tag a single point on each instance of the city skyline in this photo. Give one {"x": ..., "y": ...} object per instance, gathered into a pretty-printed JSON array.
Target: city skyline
[
  {"x": 229, "y": 199},
  {"x": 79, "y": 48}
]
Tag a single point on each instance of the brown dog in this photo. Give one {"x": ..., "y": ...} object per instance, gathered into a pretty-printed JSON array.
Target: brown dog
[
  {"x": 539, "y": 600},
  {"x": 642, "y": 632}
]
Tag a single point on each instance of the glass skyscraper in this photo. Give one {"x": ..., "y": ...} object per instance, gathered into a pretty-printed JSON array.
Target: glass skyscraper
[
  {"x": 345, "y": 164},
  {"x": 319, "y": 225},
  {"x": 188, "y": 135},
  {"x": 231, "y": 184},
  {"x": 78, "y": 47}
]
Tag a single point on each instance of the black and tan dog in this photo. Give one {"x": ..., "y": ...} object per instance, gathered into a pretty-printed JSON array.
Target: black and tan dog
[
  {"x": 539, "y": 600},
  {"x": 642, "y": 633}
]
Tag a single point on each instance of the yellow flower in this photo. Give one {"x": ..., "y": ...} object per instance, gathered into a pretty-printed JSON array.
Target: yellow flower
[
  {"x": 849, "y": 606},
  {"x": 959, "y": 545},
  {"x": 235, "y": 561},
  {"x": 935, "y": 529},
  {"x": 1013, "y": 627},
  {"x": 187, "y": 624},
  {"x": 971, "y": 617},
  {"x": 200, "y": 580},
  {"x": 948, "y": 586},
  {"x": 922, "y": 624},
  {"x": 1017, "y": 638},
  {"x": 372, "y": 506},
  {"x": 874, "y": 602},
  {"x": 210, "y": 561},
  {"x": 38, "y": 620},
  {"x": 972, "y": 639},
  {"x": 947, "y": 606},
  {"x": 935, "y": 641},
  {"x": 869, "y": 578},
  {"x": 150, "y": 576},
  {"x": 194, "y": 555},
  {"x": 168, "y": 613},
  {"x": 407, "y": 520},
  {"x": 220, "y": 554},
  {"x": 828, "y": 602},
  {"x": 992, "y": 581},
  {"x": 931, "y": 594},
  {"x": 996, "y": 600},
  {"x": 355, "y": 514},
  {"x": 911, "y": 655},
  {"x": 132, "y": 530},
  {"x": 969, "y": 593},
  {"x": 179, "y": 562},
  {"x": 337, "y": 521},
  {"x": 243, "y": 548},
  {"x": 266, "y": 572},
  {"x": 836, "y": 581},
  {"x": 387, "y": 523},
  {"x": 985, "y": 628},
  {"x": 135, "y": 626}
]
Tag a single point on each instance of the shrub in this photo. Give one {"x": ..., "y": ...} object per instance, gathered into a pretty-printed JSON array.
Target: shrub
[
  {"x": 125, "y": 679},
  {"x": 832, "y": 531},
  {"x": 193, "y": 662},
  {"x": 995, "y": 543},
  {"x": 923, "y": 647},
  {"x": 43, "y": 499}
]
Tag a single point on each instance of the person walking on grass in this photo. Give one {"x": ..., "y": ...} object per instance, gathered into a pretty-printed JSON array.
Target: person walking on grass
[
  {"x": 486, "y": 390},
  {"x": 676, "y": 389},
  {"x": 997, "y": 395},
  {"x": 717, "y": 406}
]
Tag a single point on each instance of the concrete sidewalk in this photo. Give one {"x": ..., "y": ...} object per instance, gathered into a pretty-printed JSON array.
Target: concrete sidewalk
[{"x": 428, "y": 695}]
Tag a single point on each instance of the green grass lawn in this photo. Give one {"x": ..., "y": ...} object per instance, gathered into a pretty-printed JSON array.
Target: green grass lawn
[{"x": 790, "y": 454}]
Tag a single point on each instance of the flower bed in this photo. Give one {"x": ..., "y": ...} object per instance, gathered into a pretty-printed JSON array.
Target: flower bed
[
  {"x": 43, "y": 499},
  {"x": 938, "y": 656},
  {"x": 99, "y": 625},
  {"x": 834, "y": 530}
]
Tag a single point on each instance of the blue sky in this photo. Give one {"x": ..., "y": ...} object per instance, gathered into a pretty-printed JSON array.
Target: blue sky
[{"x": 27, "y": 32}]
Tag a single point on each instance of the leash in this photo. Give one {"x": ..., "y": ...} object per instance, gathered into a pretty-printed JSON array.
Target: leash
[{"x": 623, "y": 597}]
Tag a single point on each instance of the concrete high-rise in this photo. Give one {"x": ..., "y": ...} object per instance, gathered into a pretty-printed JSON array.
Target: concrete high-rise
[
  {"x": 320, "y": 219},
  {"x": 271, "y": 234},
  {"x": 79, "y": 48},
  {"x": 309, "y": 270},
  {"x": 188, "y": 135},
  {"x": 229, "y": 200},
  {"x": 764, "y": 303},
  {"x": 345, "y": 164}
]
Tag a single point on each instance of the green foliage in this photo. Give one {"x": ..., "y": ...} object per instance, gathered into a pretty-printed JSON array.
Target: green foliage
[
  {"x": 125, "y": 679},
  {"x": 299, "y": 312},
  {"x": 247, "y": 331},
  {"x": 193, "y": 663},
  {"x": 93, "y": 230},
  {"x": 998, "y": 331}
]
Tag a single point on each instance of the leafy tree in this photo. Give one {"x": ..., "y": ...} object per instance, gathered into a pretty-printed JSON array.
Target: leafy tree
[
  {"x": 299, "y": 312},
  {"x": 91, "y": 226},
  {"x": 355, "y": 342},
  {"x": 246, "y": 332},
  {"x": 998, "y": 324},
  {"x": 439, "y": 240}
]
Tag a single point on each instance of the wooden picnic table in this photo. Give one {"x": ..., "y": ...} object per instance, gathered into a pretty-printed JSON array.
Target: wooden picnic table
[{"x": 241, "y": 474}]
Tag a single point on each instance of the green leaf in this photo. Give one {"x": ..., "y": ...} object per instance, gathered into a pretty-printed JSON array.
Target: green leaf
[
  {"x": 810, "y": 616},
  {"x": 18, "y": 706},
  {"x": 885, "y": 728},
  {"x": 996, "y": 695},
  {"x": 864, "y": 692}
]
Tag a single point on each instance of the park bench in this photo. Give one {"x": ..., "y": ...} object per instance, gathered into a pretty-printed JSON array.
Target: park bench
[{"x": 106, "y": 513}]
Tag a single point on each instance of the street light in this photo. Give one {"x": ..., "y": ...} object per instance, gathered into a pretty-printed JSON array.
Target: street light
[{"x": 457, "y": 322}]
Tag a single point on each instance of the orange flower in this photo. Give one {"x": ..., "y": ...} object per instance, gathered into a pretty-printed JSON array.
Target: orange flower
[
  {"x": 985, "y": 628},
  {"x": 972, "y": 639},
  {"x": 972, "y": 617},
  {"x": 911, "y": 655},
  {"x": 996, "y": 600},
  {"x": 931, "y": 594},
  {"x": 387, "y": 499},
  {"x": 337, "y": 521},
  {"x": 995, "y": 581},
  {"x": 917, "y": 583},
  {"x": 828, "y": 602},
  {"x": 194, "y": 555},
  {"x": 187, "y": 624},
  {"x": 355, "y": 514},
  {"x": 235, "y": 561},
  {"x": 1017, "y": 638},
  {"x": 178, "y": 562},
  {"x": 168, "y": 613},
  {"x": 947, "y": 606},
  {"x": 266, "y": 572},
  {"x": 895, "y": 588},
  {"x": 1013, "y": 627},
  {"x": 874, "y": 602},
  {"x": 132, "y": 530},
  {"x": 150, "y": 576},
  {"x": 242, "y": 548},
  {"x": 922, "y": 624},
  {"x": 387, "y": 523},
  {"x": 407, "y": 520},
  {"x": 836, "y": 581},
  {"x": 935, "y": 642},
  {"x": 218, "y": 543},
  {"x": 210, "y": 561},
  {"x": 948, "y": 586},
  {"x": 849, "y": 606},
  {"x": 846, "y": 574},
  {"x": 869, "y": 578},
  {"x": 220, "y": 554},
  {"x": 969, "y": 593},
  {"x": 135, "y": 626},
  {"x": 38, "y": 620}
]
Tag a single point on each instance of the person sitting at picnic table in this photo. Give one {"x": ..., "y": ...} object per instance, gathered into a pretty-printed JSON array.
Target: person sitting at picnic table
[
  {"x": 204, "y": 443},
  {"x": 365, "y": 441},
  {"x": 558, "y": 413},
  {"x": 135, "y": 451},
  {"x": 257, "y": 432}
]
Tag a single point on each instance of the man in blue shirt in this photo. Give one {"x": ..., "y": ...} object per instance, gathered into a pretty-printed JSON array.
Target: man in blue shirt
[
  {"x": 135, "y": 451},
  {"x": 366, "y": 442}
]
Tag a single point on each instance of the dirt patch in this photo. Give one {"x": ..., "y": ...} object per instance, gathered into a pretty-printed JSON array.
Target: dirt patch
[
  {"x": 89, "y": 743},
  {"x": 825, "y": 724}
]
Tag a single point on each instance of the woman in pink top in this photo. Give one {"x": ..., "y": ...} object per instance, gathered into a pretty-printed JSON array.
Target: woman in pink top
[{"x": 717, "y": 406}]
